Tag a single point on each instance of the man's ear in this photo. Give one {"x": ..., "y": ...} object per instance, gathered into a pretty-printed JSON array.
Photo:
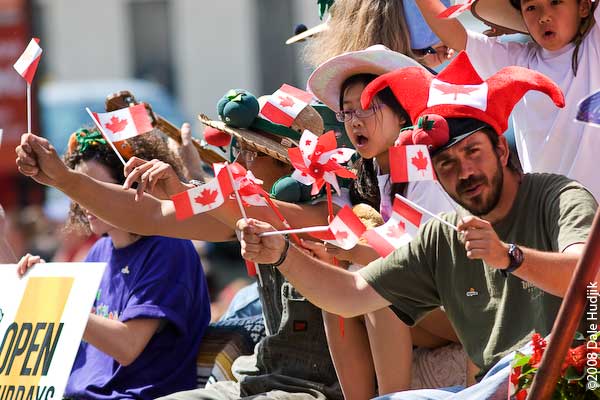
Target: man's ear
[{"x": 503, "y": 150}]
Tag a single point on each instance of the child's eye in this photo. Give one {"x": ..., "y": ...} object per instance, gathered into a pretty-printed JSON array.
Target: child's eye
[{"x": 530, "y": 8}]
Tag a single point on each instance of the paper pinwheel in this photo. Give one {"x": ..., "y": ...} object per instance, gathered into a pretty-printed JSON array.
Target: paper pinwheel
[{"x": 317, "y": 160}]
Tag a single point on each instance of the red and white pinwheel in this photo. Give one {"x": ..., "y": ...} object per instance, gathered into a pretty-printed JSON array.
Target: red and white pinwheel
[{"x": 317, "y": 160}]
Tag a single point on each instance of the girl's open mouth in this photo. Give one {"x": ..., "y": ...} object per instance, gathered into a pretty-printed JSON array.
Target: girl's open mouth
[{"x": 361, "y": 140}]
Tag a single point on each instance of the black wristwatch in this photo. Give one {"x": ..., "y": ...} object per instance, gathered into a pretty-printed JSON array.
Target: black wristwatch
[{"x": 515, "y": 255}]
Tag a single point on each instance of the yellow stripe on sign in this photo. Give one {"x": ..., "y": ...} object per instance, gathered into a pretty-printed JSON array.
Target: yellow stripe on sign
[{"x": 31, "y": 340}]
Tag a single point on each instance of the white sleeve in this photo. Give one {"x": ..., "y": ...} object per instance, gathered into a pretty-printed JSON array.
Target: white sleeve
[
  {"x": 490, "y": 54},
  {"x": 430, "y": 196}
]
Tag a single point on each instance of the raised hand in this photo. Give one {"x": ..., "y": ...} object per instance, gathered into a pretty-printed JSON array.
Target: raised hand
[
  {"x": 155, "y": 177},
  {"x": 37, "y": 158},
  {"x": 262, "y": 250},
  {"x": 482, "y": 242}
]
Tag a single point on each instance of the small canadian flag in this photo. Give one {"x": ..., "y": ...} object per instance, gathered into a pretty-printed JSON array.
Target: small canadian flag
[
  {"x": 125, "y": 123},
  {"x": 344, "y": 230},
  {"x": 410, "y": 163},
  {"x": 27, "y": 64},
  {"x": 455, "y": 10},
  {"x": 203, "y": 198},
  {"x": 248, "y": 186},
  {"x": 285, "y": 104},
  {"x": 397, "y": 231}
]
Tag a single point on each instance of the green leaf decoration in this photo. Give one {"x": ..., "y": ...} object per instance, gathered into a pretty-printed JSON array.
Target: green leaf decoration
[
  {"x": 424, "y": 123},
  {"x": 237, "y": 98},
  {"x": 579, "y": 336},
  {"x": 231, "y": 94},
  {"x": 520, "y": 359},
  {"x": 324, "y": 5}
]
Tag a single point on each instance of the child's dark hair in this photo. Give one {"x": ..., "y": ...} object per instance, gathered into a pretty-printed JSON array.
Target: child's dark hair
[
  {"x": 365, "y": 188},
  {"x": 584, "y": 27},
  {"x": 89, "y": 145}
]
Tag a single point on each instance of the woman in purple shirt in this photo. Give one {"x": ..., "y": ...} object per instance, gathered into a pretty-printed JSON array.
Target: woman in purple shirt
[{"x": 152, "y": 307}]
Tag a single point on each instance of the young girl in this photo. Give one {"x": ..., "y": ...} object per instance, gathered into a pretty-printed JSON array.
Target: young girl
[
  {"x": 379, "y": 344},
  {"x": 152, "y": 307},
  {"x": 565, "y": 47}
]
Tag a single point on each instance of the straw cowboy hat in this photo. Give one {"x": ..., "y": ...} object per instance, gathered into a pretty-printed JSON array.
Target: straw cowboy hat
[
  {"x": 327, "y": 79},
  {"x": 263, "y": 135},
  {"x": 500, "y": 14}
]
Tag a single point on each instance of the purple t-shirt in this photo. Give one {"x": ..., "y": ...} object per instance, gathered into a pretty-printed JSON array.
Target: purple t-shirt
[{"x": 154, "y": 277}]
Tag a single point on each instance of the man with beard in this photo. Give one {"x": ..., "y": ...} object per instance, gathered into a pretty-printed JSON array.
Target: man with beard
[{"x": 501, "y": 276}]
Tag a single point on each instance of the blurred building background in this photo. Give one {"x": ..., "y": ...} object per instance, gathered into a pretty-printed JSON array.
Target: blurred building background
[{"x": 180, "y": 56}]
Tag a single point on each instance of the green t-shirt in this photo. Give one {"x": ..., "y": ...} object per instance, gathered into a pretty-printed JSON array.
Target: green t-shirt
[{"x": 491, "y": 314}]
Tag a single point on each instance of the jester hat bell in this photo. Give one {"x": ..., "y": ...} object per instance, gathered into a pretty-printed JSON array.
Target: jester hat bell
[{"x": 456, "y": 103}]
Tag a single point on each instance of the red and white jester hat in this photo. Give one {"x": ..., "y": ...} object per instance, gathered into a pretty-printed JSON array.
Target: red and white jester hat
[{"x": 459, "y": 96}]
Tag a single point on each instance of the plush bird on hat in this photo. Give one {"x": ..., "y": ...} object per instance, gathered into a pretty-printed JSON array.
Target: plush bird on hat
[{"x": 456, "y": 103}]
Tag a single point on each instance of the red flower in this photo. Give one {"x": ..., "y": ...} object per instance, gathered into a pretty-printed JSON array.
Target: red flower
[
  {"x": 514, "y": 376},
  {"x": 539, "y": 345},
  {"x": 521, "y": 395}
]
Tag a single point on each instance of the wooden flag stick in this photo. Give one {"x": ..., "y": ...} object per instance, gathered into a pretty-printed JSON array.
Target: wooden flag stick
[
  {"x": 569, "y": 316},
  {"x": 297, "y": 230},
  {"x": 28, "y": 107}
]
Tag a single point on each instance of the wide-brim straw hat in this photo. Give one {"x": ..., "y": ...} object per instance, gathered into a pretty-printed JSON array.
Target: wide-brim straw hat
[
  {"x": 499, "y": 14},
  {"x": 279, "y": 138},
  {"x": 326, "y": 81}
]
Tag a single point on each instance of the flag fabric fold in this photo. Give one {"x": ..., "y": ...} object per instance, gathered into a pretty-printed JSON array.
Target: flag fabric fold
[
  {"x": 344, "y": 230},
  {"x": 410, "y": 164},
  {"x": 125, "y": 123},
  {"x": 402, "y": 226},
  {"x": 28, "y": 62}
]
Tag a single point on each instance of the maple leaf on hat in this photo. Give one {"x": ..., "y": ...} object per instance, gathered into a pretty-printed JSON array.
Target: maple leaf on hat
[{"x": 206, "y": 197}]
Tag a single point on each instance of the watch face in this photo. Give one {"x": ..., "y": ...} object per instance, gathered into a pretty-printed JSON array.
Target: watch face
[{"x": 516, "y": 255}]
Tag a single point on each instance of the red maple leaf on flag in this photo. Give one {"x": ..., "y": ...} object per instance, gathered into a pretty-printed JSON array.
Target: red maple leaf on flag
[
  {"x": 286, "y": 101},
  {"x": 420, "y": 162},
  {"x": 206, "y": 197},
  {"x": 454, "y": 89},
  {"x": 395, "y": 231},
  {"x": 340, "y": 235},
  {"x": 116, "y": 125}
]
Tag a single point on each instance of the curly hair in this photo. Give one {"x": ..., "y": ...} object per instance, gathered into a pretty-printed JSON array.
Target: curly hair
[
  {"x": 358, "y": 24},
  {"x": 365, "y": 188},
  {"x": 148, "y": 146}
]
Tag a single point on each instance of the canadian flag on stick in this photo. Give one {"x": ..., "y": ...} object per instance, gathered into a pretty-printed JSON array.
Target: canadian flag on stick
[
  {"x": 410, "y": 163},
  {"x": 203, "y": 198},
  {"x": 285, "y": 104},
  {"x": 27, "y": 64},
  {"x": 125, "y": 123},
  {"x": 344, "y": 230},
  {"x": 397, "y": 231},
  {"x": 455, "y": 10}
]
